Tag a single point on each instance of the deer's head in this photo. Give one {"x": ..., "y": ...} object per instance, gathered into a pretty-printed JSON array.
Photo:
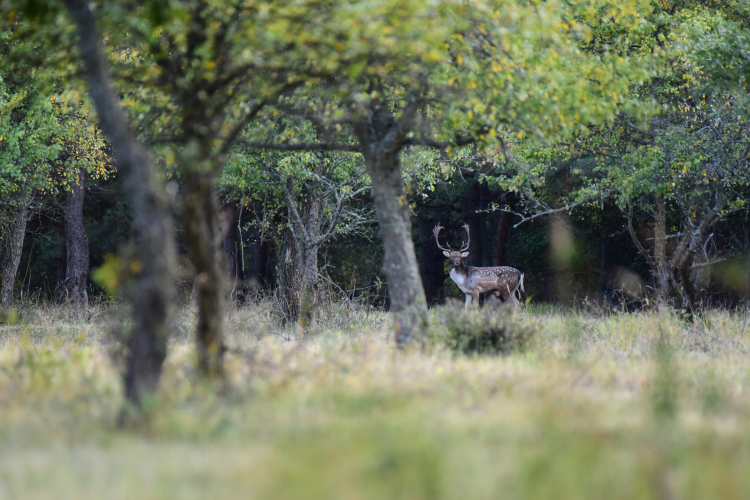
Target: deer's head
[{"x": 454, "y": 258}]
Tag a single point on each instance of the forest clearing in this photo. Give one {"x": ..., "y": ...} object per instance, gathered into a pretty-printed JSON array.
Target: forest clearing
[
  {"x": 374, "y": 249},
  {"x": 617, "y": 406}
]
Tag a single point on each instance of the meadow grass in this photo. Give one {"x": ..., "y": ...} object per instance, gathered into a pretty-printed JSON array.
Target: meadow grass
[{"x": 598, "y": 406}]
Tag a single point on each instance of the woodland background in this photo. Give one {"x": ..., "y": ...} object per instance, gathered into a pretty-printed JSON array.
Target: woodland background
[
  {"x": 219, "y": 277},
  {"x": 666, "y": 168},
  {"x": 304, "y": 150}
]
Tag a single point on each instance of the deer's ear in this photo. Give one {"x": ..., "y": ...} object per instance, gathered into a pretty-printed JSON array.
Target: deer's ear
[
  {"x": 447, "y": 254},
  {"x": 464, "y": 255}
]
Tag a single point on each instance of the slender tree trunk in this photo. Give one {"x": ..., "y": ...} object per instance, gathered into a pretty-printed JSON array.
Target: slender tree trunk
[
  {"x": 230, "y": 215},
  {"x": 12, "y": 246},
  {"x": 660, "y": 246},
  {"x": 73, "y": 288},
  {"x": 147, "y": 344},
  {"x": 432, "y": 268},
  {"x": 690, "y": 297},
  {"x": 257, "y": 275},
  {"x": 605, "y": 266},
  {"x": 202, "y": 230},
  {"x": 471, "y": 205},
  {"x": 502, "y": 236},
  {"x": 405, "y": 290},
  {"x": 289, "y": 276}
]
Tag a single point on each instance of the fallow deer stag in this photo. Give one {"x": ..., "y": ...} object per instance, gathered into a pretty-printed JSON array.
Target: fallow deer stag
[{"x": 502, "y": 281}]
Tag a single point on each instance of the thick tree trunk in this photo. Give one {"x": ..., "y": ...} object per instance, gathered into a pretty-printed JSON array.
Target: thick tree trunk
[
  {"x": 147, "y": 344},
  {"x": 432, "y": 268},
  {"x": 202, "y": 230},
  {"x": 12, "y": 246},
  {"x": 660, "y": 246},
  {"x": 73, "y": 288},
  {"x": 309, "y": 296},
  {"x": 405, "y": 290}
]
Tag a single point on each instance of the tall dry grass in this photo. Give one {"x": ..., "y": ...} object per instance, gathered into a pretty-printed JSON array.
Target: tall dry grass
[{"x": 597, "y": 406}]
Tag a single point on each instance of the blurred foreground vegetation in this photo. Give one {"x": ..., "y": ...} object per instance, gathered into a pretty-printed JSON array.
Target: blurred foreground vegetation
[{"x": 597, "y": 406}]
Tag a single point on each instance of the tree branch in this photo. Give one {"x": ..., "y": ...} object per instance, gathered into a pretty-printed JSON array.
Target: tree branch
[
  {"x": 637, "y": 242},
  {"x": 300, "y": 146}
]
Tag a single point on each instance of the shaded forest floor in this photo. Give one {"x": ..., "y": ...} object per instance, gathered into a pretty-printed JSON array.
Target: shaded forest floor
[{"x": 621, "y": 406}]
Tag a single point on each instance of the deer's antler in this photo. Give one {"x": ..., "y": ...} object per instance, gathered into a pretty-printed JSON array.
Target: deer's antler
[
  {"x": 436, "y": 231},
  {"x": 465, "y": 246}
]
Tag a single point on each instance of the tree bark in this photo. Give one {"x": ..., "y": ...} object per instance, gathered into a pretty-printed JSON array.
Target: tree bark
[
  {"x": 257, "y": 275},
  {"x": 12, "y": 246},
  {"x": 309, "y": 296},
  {"x": 432, "y": 268},
  {"x": 203, "y": 234},
  {"x": 405, "y": 290},
  {"x": 147, "y": 344},
  {"x": 289, "y": 277},
  {"x": 472, "y": 203},
  {"x": 73, "y": 288},
  {"x": 502, "y": 236},
  {"x": 230, "y": 215}
]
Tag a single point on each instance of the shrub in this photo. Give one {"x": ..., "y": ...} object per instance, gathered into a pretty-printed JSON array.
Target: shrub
[{"x": 485, "y": 331}]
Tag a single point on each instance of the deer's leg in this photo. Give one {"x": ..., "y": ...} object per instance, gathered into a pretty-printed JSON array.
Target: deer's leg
[
  {"x": 468, "y": 301},
  {"x": 513, "y": 298},
  {"x": 475, "y": 299}
]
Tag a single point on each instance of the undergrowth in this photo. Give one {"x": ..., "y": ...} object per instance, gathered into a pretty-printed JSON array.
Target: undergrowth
[{"x": 594, "y": 406}]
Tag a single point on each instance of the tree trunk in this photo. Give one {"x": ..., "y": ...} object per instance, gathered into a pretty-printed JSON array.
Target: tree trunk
[
  {"x": 230, "y": 215},
  {"x": 12, "y": 246},
  {"x": 432, "y": 268},
  {"x": 309, "y": 297},
  {"x": 257, "y": 274},
  {"x": 203, "y": 234},
  {"x": 502, "y": 236},
  {"x": 147, "y": 344},
  {"x": 605, "y": 266},
  {"x": 471, "y": 205},
  {"x": 289, "y": 277},
  {"x": 73, "y": 288},
  {"x": 400, "y": 262},
  {"x": 660, "y": 246},
  {"x": 309, "y": 293}
]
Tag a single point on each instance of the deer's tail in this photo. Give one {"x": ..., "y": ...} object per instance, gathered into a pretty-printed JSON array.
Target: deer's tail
[{"x": 520, "y": 286}]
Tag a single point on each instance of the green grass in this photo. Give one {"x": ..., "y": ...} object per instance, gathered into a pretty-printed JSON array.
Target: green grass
[{"x": 621, "y": 406}]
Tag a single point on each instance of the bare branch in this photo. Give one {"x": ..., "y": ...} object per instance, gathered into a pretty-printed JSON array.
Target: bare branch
[
  {"x": 300, "y": 146},
  {"x": 639, "y": 246},
  {"x": 541, "y": 214}
]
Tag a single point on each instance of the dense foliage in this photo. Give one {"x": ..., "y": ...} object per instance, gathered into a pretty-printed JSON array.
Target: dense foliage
[{"x": 621, "y": 113}]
